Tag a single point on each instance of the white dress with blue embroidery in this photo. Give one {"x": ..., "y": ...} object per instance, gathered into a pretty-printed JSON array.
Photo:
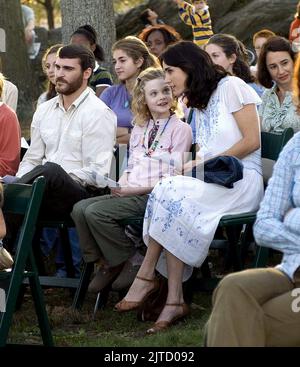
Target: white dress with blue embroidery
[{"x": 183, "y": 213}]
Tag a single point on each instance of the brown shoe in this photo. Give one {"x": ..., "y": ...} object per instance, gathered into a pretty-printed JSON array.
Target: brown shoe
[
  {"x": 103, "y": 277},
  {"x": 124, "y": 306},
  {"x": 163, "y": 325}
]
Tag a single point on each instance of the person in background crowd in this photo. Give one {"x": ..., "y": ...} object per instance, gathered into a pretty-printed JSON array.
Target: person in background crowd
[
  {"x": 9, "y": 93},
  {"x": 130, "y": 57},
  {"x": 294, "y": 33},
  {"x": 229, "y": 52},
  {"x": 87, "y": 36},
  {"x": 198, "y": 17},
  {"x": 30, "y": 35},
  {"x": 150, "y": 18},
  {"x": 260, "y": 307},
  {"x": 259, "y": 39},
  {"x": 48, "y": 65},
  {"x": 158, "y": 37},
  {"x": 275, "y": 72}
]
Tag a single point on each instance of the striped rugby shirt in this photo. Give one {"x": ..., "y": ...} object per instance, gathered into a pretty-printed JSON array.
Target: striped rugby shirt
[{"x": 200, "y": 22}]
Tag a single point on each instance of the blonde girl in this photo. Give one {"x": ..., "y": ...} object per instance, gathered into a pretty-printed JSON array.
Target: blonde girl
[{"x": 157, "y": 131}]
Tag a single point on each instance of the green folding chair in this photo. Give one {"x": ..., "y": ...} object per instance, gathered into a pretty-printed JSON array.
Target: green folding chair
[
  {"x": 271, "y": 146},
  {"x": 24, "y": 200}
]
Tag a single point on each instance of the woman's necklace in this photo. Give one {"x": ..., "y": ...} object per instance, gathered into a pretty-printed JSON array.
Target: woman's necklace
[{"x": 154, "y": 144}]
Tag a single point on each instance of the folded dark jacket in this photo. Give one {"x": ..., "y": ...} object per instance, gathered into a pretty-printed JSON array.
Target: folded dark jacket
[{"x": 223, "y": 170}]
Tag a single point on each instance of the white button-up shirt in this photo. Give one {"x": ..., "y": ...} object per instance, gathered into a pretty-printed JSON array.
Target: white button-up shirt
[{"x": 80, "y": 140}]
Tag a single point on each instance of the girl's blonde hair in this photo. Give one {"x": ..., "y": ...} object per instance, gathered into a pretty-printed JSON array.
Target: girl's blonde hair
[
  {"x": 139, "y": 107},
  {"x": 136, "y": 49}
]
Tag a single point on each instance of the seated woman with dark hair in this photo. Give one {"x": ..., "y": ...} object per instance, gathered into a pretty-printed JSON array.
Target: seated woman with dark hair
[
  {"x": 275, "y": 71},
  {"x": 183, "y": 212},
  {"x": 158, "y": 37}
]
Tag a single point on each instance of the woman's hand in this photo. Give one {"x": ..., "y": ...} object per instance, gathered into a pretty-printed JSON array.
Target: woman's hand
[{"x": 188, "y": 166}]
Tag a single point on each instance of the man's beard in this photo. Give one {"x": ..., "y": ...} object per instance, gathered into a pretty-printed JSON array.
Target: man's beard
[{"x": 69, "y": 88}]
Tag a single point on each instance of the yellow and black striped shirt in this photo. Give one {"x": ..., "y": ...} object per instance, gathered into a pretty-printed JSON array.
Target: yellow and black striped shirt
[{"x": 200, "y": 22}]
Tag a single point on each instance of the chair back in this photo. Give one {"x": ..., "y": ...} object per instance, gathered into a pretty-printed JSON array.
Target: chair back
[
  {"x": 271, "y": 146},
  {"x": 23, "y": 200},
  {"x": 272, "y": 143}
]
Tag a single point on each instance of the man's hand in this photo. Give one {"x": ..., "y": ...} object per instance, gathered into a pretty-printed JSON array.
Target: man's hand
[{"x": 129, "y": 191}]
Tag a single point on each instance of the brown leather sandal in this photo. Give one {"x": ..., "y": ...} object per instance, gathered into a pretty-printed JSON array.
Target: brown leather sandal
[
  {"x": 163, "y": 325},
  {"x": 124, "y": 306}
]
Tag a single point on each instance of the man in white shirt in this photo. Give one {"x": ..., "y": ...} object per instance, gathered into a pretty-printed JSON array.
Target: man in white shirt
[{"x": 72, "y": 136}]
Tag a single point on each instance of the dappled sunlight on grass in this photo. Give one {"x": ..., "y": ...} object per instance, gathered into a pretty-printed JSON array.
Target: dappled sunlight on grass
[{"x": 109, "y": 328}]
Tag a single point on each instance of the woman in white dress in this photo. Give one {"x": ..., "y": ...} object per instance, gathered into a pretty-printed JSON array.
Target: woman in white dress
[{"x": 183, "y": 212}]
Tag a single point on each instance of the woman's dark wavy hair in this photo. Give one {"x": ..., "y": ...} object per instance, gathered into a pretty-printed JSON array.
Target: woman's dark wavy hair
[
  {"x": 273, "y": 44},
  {"x": 169, "y": 33},
  {"x": 232, "y": 46},
  {"x": 91, "y": 35},
  {"x": 203, "y": 75},
  {"x": 144, "y": 17}
]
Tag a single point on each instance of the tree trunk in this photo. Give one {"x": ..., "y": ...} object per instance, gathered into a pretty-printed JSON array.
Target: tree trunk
[
  {"x": 15, "y": 62},
  {"x": 99, "y": 14},
  {"x": 49, "y": 10}
]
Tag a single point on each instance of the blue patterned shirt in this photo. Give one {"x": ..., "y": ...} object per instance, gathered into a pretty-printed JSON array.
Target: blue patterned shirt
[{"x": 278, "y": 220}]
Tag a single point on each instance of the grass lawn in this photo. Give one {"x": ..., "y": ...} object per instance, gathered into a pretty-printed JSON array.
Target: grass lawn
[{"x": 109, "y": 329}]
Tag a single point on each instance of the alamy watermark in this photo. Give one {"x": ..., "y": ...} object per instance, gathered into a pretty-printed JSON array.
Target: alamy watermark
[
  {"x": 2, "y": 40},
  {"x": 296, "y": 302},
  {"x": 2, "y": 300}
]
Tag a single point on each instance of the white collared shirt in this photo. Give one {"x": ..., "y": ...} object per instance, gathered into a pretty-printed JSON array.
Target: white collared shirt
[{"x": 80, "y": 140}]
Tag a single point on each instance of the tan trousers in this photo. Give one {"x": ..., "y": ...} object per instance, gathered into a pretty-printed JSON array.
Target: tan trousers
[{"x": 254, "y": 308}]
